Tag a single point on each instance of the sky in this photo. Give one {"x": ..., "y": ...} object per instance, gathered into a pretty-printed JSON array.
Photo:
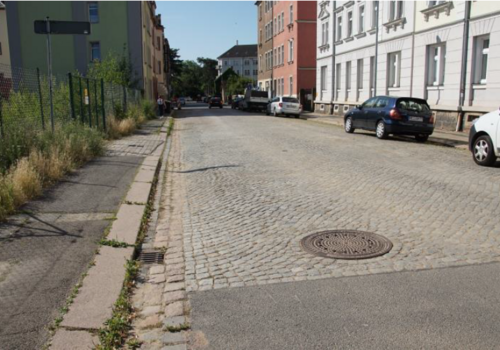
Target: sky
[{"x": 208, "y": 28}]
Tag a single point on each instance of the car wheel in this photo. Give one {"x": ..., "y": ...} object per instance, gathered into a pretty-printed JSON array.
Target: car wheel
[
  {"x": 348, "y": 125},
  {"x": 381, "y": 130},
  {"x": 421, "y": 137},
  {"x": 483, "y": 152}
]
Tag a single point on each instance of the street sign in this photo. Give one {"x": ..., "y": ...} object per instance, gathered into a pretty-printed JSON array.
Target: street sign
[{"x": 62, "y": 27}]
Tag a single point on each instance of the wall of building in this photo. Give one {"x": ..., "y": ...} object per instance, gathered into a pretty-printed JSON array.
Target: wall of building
[{"x": 4, "y": 38}]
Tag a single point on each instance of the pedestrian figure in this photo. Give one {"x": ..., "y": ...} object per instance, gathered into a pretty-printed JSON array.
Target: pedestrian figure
[{"x": 161, "y": 105}]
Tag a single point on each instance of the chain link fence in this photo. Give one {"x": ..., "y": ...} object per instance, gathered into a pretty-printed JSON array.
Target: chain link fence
[{"x": 26, "y": 106}]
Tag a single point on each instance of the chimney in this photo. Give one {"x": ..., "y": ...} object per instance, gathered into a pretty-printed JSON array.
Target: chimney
[{"x": 236, "y": 42}]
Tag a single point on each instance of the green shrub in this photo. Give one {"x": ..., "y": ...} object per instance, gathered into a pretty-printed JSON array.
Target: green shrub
[{"x": 149, "y": 109}]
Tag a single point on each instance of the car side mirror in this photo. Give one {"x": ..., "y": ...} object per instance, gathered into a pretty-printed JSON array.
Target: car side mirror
[{"x": 359, "y": 106}]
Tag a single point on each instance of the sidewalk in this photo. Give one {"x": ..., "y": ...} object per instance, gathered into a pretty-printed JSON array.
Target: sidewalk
[
  {"x": 45, "y": 250},
  {"x": 445, "y": 138}
]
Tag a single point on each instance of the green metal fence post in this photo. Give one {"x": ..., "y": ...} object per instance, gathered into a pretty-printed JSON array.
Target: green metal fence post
[
  {"x": 88, "y": 102},
  {"x": 1, "y": 118},
  {"x": 40, "y": 97},
  {"x": 96, "y": 104},
  {"x": 71, "y": 97},
  {"x": 124, "y": 99},
  {"x": 102, "y": 105},
  {"x": 82, "y": 115}
]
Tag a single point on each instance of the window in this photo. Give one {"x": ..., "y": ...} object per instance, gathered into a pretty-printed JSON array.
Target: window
[
  {"x": 348, "y": 76},
  {"x": 360, "y": 74},
  {"x": 0, "y": 49},
  {"x": 323, "y": 78},
  {"x": 93, "y": 12},
  {"x": 247, "y": 72},
  {"x": 434, "y": 3},
  {"x": 159, "y": 66},
  {"x": 361, "y": 27},
  {"x": 290, "y": 86},
  {"x": 482, "y": 50},
  {"x": 247, "y": 62},
  {"x": 339, "y": 80},
  {"x": 372, "y": 76},
  {"x": 95, "y": 51},
  {"x": 279, "y": 24},
  {"x": 436, "y": 55},
  {"x": 157, "y": 42},
  {"x": 374, "y": 13},
  {"x": 395, "y": 10},
  {"x": 370, "y": 103},
  {"x": 382, "y": 102},
  {"x": 282, "y": 86},
  {"x": 260, "y": 12},
  {"x": 291, "y": 14},
  {"x": 324, "y": 33},
  {"x": 394, "y": 69},
  {"x": 225, "y": 63},
  {"x": 260, "y": 36},
  {"x": 255, "y": 72},
  {"x": 275, "y": 26},
  {"x": 290, "y": 51},
  {"x": 349, "y": 24},
  {"x": 275, "y": 58},
  {"x": 339, "y": 28},
  {"x": 283, "y": 54}
]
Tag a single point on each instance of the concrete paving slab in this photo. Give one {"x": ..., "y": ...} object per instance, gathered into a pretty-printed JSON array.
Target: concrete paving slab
[
  {"x": 75, "y": 340},
  {"x": 93, "y": 304},
  {"x": 97, "y": 187},
  {"x": 145, "y": 174},
  {"x": 139, "y": 192},
  {"x": 127, "y": 224}
]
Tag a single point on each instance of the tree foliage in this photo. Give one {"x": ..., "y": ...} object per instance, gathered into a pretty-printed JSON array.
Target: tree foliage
[
  {"x": 236, "y": 85},
  {"x": 113, "y": 69}
]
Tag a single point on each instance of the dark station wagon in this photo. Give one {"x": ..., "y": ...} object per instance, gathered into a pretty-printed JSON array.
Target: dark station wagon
[{"x": 392, "y": 115}]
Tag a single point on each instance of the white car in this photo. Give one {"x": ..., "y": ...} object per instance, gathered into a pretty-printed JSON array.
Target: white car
[
  {"x": 484, "y": 139},
  {"x": 283, "y": 105}
]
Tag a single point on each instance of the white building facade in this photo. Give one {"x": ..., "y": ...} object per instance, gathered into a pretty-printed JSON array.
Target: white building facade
[
  {"x": 242, "y": 59},
  {"x": 436, "y": 50}
]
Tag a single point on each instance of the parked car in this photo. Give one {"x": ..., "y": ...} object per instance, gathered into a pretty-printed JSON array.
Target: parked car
[
  {"x": 236, "y": 103},
  {"x": 215, "y": 102},
  {"x": 182, "y": 101},
  {"x": 392, "y": 115},
  {"x": 283, "y": 105},
  {"x": 484, "y": 139}
]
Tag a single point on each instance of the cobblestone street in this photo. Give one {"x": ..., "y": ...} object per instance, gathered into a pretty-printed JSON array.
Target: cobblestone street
[{"x": 256, "y": 185}]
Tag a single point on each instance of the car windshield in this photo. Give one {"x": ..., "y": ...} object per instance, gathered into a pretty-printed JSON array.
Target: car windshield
[
  {"x": 413, "y": 105},
  {"x": 290, "y": 99}
]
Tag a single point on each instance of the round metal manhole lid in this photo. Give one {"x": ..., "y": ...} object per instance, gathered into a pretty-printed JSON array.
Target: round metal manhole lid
[{"x": 346, "y": 244}]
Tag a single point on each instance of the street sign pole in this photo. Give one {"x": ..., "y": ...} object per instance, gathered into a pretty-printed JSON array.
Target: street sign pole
[{"x": 49, "y": 64}]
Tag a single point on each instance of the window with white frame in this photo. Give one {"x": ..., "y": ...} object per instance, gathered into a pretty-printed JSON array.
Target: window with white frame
[
  {"x": 349, "y": 24},
  {"x": 394, "y": 69},
  {"x": 436, "y": 57},
  {"x": 283, "y": 54},
  {"x": 291, "y": 14},
  {"x": 278, "y": 62},
  {"x": 282, "y": 86},
  {"x": 275, "y": 57},
  {"x": 324, "y": 33},
  {"x": 323, "y": 78},
  {"x": 395, "y": 10},
  {"x": 359, "y": 82},
  {"x": 338, "y": 80},
  {"x": 348, "y": 76},
  {"x": 282, "y": 21},
  {"x": 482, "y": 50},
  {"x": 290, "y": 50},
  {"x": 339, "y": 27},
  {"x": 434, "y": 3},
  {"x": 361, "y": 19},
  {"x": 290, "y": 85},
  {"x": 275, "y": 30},
  {"x": 372, "y": 76},
  {"x": 375, "y": 6}
]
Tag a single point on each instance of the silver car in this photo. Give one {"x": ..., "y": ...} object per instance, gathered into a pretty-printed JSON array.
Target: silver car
[{"x": 284, "y": 105}]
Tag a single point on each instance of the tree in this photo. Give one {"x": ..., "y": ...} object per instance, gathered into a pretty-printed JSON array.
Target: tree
[
  {"x": 236, "y": 85},
  {"x": 175, "y": 64},
  {"x": 189, "y": 80},
  {"x": 208, "y": 74}
]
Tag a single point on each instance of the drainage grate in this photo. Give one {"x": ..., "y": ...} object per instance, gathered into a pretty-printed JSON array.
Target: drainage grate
[
  {"x": 346, "y": 244},
  {"x": 151, "y": 257}
]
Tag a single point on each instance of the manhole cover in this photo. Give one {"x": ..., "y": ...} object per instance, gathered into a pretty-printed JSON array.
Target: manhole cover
[
  {"x": 151, "y": 257},
  {"x": 346, "y": 244}
]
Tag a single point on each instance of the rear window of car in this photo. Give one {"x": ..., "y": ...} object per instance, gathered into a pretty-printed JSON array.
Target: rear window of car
[
  {"x": 290, "y": 100},
  {"x": 413, "y": 105}
]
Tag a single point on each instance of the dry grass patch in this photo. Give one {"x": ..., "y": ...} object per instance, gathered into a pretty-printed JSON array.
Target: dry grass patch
[{"x": 26, "y": 182}]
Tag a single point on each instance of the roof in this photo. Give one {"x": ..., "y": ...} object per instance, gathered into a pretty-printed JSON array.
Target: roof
[
  {"x": 2, "y": 5},
  {"x": 241, "y": 51}
]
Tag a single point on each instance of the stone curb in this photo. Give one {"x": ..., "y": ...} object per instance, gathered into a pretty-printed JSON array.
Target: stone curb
[
  {"x": 432, "y": 140},
  {"x": 101, "y": 287}
]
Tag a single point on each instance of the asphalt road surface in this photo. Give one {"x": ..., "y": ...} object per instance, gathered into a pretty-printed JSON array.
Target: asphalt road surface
[{"x": 256, "y": 185}]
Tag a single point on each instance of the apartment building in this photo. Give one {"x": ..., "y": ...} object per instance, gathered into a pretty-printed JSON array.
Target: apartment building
[
  {"x": 294, "y": 54},
  {"x": 242, "y": 59},
  {"x": 4, "y": 37},
  {"x": 265, "y": 46},
  {"x": 437, "y": 50},
  {"x": 120, "y": 27}
]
